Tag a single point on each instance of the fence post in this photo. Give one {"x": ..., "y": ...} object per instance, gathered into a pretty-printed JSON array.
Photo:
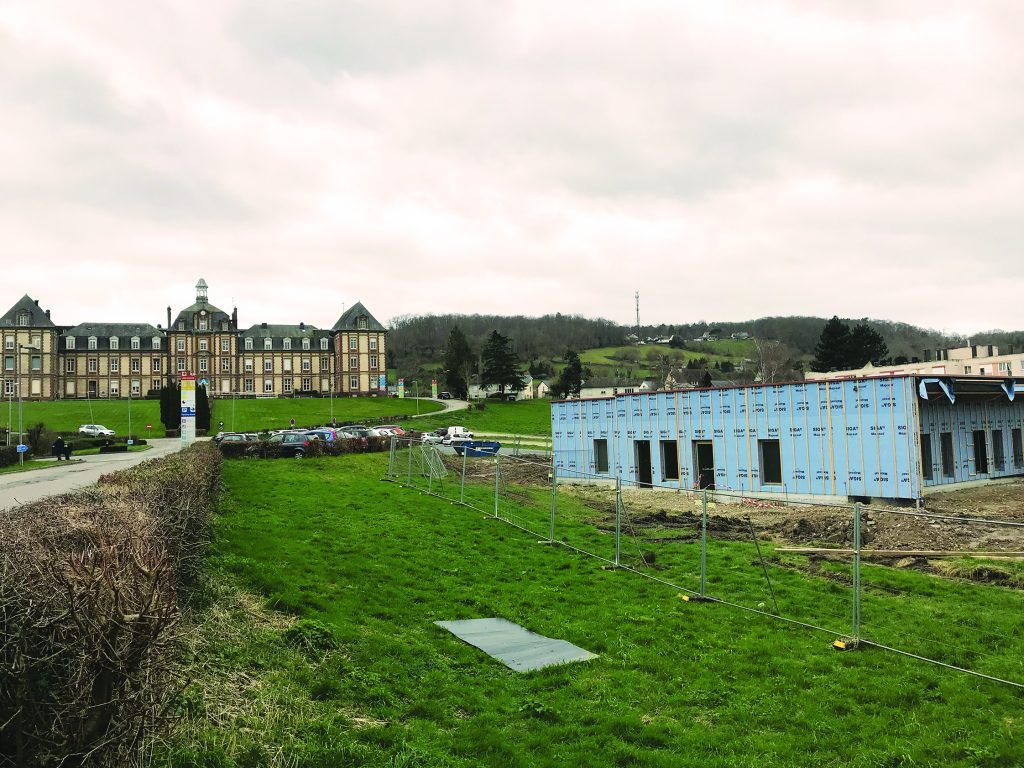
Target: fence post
[
  {"x": 462, "y": 483},
  {"x": 409, "y": 480},
  {"x": 618, "y": 519},
  {"x": 554, "y": 501},
  {"x": 856, "y": 572},
  {"x": 497, "y": 478},
  {"x": 391, "y": 459},
  {"x": 704, "y": 543},
  {"x": 430, "y": 469}
]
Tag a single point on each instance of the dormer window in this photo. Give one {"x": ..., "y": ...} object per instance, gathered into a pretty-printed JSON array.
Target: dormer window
[
  {"x": 305, "y": 343},
  {"x": 323, "y": 343},
  {"x": 203, "y": 323},
  {"x": 248, "y": 343},
  {"x": 113, "y": 343},
  {"x": 268, "y": 343},
  {"x": 156, "y": 342},
  {"x": 69, "y": 342},
  {"x": 361, "y": 323},
  {"x": 223, "y": 325},
  {"x": 135, "y": 342},
  {"x": 91, "y": 343},
  {"x": 23, "y": 318},
  {"x": 181, "y": 325}
]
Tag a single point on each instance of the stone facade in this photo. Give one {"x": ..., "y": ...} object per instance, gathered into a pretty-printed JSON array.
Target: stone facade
[{"x": 116, "y": 360}]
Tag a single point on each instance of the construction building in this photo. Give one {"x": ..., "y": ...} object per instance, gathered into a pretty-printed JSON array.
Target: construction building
[
  {"x": 889, "y": 437},
  {"x": 117, "y": 360},
  {"x": 972, "y": 360}
]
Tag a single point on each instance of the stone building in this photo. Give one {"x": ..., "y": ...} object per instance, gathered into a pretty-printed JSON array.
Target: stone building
[{"x": 115, "y": 360}]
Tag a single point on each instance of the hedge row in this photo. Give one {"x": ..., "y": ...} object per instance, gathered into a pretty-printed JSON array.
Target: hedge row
[
  {"x": 8, "y": 455},
  {"x": 89, "y": 612}
]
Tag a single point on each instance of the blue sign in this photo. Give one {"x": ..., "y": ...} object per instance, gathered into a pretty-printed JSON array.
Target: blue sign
[
  {"x": 185, "y": 411},
  {"x": 22, "y": 449},
  {"x": 293, "y": 422}
]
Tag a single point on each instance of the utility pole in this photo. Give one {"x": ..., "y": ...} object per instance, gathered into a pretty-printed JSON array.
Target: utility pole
[{"x": 637, "y": 297}]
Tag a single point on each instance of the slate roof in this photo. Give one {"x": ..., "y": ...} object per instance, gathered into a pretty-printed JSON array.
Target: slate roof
[
  {"x": 37, "y": 315},
  {"x": 123, "y": 331},
  {"x": 348, "y": 321},
  {"x": 278, "y": 333},
  {"x": 216, "y": 315}
]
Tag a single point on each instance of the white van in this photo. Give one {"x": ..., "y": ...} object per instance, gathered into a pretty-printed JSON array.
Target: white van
[{"x": 456, "y": 433}]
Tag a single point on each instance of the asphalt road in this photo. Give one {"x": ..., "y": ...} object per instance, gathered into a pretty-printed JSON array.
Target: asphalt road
[{"x": 22, "y": 487}]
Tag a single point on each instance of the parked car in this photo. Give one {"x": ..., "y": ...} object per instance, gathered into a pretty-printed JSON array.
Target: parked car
[
  {"x": 324, "y": 434},
  {"x": 431, "y": 438},
  {"x": 456, "y": 434},
  {"x": 95, "y": 430},
  {"x": 445, "y": 396},
  {"x": 284, "y": 445},
  {"x": 237, "y": 437},
  {"x": 393, "y": 429}
]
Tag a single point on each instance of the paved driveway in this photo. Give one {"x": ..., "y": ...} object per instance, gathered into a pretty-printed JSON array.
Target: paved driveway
[{"x": 23, "y": 487}]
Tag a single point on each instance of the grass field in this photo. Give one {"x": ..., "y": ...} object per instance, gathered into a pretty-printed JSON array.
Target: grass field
[
  {"x": 365, "y": 678},
  {"x": 252, "y": 414},
  {"x": 523, "y": 417}
]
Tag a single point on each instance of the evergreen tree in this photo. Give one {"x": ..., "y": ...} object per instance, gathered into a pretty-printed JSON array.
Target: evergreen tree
[
  {"x": 833, "y": 350},
  {"x": 458, "y": 361},
  {"x": 570, "y": 380},
  {"x": 170, "y": 405},
  {"x": 866, "y": 346},
  {"x": 705, "y": 380},
  {"x": 203, "y": 409},
  {"x": 500, "y": 364}
]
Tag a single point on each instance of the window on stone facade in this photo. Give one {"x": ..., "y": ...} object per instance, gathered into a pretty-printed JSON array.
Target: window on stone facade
[
  {"x": 353, "y": 382},
  {"x": 249, "y": 385},
  {"x": 181, "y": 345},
  {"x": 287, "y": 362},
  {"x": 287, "y": 384},
  {"x": 136, "y": 387},
  {"x": 225, "y": 365},
  {"x": 181, "y": 363},
  {"x": 204, "y": 345},
  {"x": 9, "y": 343},
  {"x": 155, "y": 384},
  {"x": 248, "y": 365},
  {"x": 156, "y": 364},
  {"x": 325, "y": 364},
  {"x": 136, "y": 365},
  {"x": 70, "y": 366},
  {"x": 268, "y": 366},
  {"x": 307, "y": 384},
  {"x": 94, "y": 365},
  {"x": 373, "y": 362},
  {"x": 268, "y": 385},
  {"x": 373, "y": 342},
  {"x": 8, "y": 362},
  {"x": 353, "y": 362},
  {"x": 307, "y": 366},
  {"x": 9, "y": 387},
  {"x": 353, "y": 343},
  {"x": 203, "y": 365},
  {"x": 115, "y": 365},
  {"x": 37, "y": 362},
  {"x": 225, "y": 345}
]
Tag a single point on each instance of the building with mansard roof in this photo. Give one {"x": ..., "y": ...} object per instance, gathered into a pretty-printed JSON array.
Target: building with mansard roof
[{"x": 49, "y": 361}]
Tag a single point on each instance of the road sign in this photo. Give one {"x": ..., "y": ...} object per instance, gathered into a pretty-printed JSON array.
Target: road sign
[
  {"x": 22, "y": 449},
  {"x": 188, "y": 409},
  {"x": 149, "y": 426},
  {"x": 131, "y": 442},
  {"x": 293, "y": 422}
]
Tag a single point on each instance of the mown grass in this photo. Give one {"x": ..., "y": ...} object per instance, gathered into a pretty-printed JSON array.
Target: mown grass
[
  {"x": 365, "y": 678},
  {"x": 523, "y": 417},
  {"x": 251, "y": 414}
]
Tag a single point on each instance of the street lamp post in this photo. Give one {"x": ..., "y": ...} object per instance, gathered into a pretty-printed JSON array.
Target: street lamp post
[{"x": 17, "y": 378}]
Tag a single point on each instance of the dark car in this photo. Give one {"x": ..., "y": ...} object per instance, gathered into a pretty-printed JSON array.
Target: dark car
[
  {"x": 445, "y": 396},
  {"x": 284, "y": 445},
  {"x": 236, "y": 437}
]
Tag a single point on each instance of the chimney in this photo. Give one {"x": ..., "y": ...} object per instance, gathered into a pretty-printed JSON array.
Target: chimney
[
  {"x": 168, "y": 317},
  {"x": 234, "y": 318},
  {"x": 263, "y": 325},
  {"x": 302, "y": 326},
  {"x": 47, "y": 314},
  {"x": 37, "y": 302},
  {"x": 158, "y": 326}
]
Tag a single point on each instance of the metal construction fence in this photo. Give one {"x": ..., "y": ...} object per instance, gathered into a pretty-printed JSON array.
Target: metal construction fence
[{"x": 946, "y": 589}]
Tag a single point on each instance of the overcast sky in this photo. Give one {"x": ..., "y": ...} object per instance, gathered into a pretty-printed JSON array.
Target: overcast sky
[{"x": 727, "y": 159}]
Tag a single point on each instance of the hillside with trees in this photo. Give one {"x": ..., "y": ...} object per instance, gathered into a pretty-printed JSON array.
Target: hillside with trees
[{"x": 778, "y": 347}]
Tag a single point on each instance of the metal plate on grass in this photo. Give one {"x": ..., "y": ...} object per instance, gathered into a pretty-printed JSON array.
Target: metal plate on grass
[{"x": 517, "y": 648}]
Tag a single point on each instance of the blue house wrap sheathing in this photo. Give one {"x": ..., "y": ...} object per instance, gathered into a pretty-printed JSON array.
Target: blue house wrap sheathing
[{"x": 886, "y": 437}]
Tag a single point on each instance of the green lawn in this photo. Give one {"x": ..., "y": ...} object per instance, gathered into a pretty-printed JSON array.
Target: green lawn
[
  {"x": 373, "y": 682},
  {"x": 523, "y": 417},
  {"x": 238, "y": 415}
]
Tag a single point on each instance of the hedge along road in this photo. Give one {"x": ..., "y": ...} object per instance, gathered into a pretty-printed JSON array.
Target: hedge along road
[{"x": 22, "y": 487}]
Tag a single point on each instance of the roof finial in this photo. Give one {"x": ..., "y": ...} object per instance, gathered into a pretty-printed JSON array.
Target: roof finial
[{"x": 201, "y": 291}]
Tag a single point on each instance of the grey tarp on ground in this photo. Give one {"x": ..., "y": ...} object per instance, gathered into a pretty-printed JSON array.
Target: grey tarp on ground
[{"x": 514, "y": 646}]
